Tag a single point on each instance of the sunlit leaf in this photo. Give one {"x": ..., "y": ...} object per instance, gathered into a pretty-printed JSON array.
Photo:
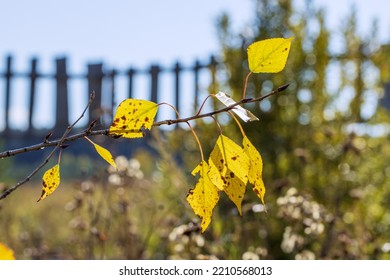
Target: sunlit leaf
[
  {"x": 105, "y": 154},
  {"x": 6, "y": 253},
  {"x": 229, "y": 167},
  {"x": 255, "y": 168},
  {"x": 204, "y": 196},
  {"x": 235, "y": 189},
  {"x": 269, "y": 56},
  {"x": 132, "y": 116},
  {"x": 51, "y": 180}
]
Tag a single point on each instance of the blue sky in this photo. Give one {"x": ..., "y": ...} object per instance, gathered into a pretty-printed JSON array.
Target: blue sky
[{"x": 124, "y": 33}]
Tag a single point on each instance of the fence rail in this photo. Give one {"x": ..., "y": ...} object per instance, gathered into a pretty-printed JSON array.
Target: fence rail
[{"x": 96, "y": 77}]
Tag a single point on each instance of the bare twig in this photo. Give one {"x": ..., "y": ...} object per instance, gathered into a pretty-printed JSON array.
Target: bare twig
[
  {"x": 226, "y": 109},
  {"x": 58, "y": 145},
  {"x": 90, "y": 132}
]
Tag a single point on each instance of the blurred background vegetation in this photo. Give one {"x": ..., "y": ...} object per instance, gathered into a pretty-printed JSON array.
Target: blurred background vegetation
[{"x": 326, "y": 153}]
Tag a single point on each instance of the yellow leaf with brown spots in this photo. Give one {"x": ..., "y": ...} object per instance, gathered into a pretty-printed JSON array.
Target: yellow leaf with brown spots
[
  {"x": 255, "y": 176},
  {"x": 51, "y": 180},
  {"x": 269, "y": 56},
  {"x": 132, "y": 117},
  {"x": 229, "y": 167},
  {"x": 204, "y": 196}
]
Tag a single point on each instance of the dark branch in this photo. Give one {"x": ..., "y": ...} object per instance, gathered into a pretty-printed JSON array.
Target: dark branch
[{"x": 57, "y": 143}]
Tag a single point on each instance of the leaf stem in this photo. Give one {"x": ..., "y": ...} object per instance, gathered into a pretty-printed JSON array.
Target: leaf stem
[
  {"x": 218, "y": 125},
  {"x": 197, "y": 140},
  {"x": 189, "y": 125},
  {"x": 245, "y": 85},
  {"x": 238, "y": 123},
  {"x": 89, "y": 140},
  {"x": 173, "y": 107},
  {"x": 204, "y": 101}
]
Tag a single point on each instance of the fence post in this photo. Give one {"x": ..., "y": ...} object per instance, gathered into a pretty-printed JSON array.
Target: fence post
[
  {"x": 213, "y": 70},
  {"x": 95, "y": 78},
  {"x": 8, "y": 76},
  {"x": 62, "y": 109},
  {"x": 196, "y": 69},
  {"x": 113, "y": 73},
  {"x": 177, "y": 71},
  {"x": 33, "y": 77},
  {"x": 130, "y": 75},
  {"x": 154, "y": 71},
  {"x": 385, "y": 101}
]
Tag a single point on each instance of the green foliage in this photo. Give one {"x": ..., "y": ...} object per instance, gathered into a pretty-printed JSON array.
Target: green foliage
[
  {"x": 328, "y": 188},
  {"x": 325, "y": 182}
]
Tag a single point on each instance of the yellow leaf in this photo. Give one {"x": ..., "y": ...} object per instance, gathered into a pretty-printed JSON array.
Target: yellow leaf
[
  {"x": 132, "y": 116},
  {"x": 229, "y": 167},
  {"x": 255, "y": 168},
  {"x": 228, "y": 155},
  {"x": 204, "y": 196},
  {"x": 269, "y": 56},
  {"x": 51, "y": 180},
  {"x": 6, "y": 253},
  {"x": 235, "y": 189},
  {"x": 105, "y": 154}
]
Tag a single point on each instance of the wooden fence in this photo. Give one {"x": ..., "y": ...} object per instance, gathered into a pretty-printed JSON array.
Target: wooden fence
[{"x": 95, "y": 77}]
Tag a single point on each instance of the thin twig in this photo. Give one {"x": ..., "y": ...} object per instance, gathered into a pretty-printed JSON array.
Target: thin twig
[
  {"x": 226, "y": 109},
  {"x": 58, "y": 145},
  {"x": 90, "y": 132}
]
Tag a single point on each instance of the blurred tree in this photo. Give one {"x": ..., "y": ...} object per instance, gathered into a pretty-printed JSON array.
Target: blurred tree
[{"x": 326, "y": 168}]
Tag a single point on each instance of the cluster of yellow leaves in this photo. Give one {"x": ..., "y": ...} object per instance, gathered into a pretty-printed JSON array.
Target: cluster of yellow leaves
[
  {"x": 6, "y": 253},
  {"x": 229, "y": 169},
  {"x": 230, "y": 166},
  {"x": 131, "y": 118}
]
